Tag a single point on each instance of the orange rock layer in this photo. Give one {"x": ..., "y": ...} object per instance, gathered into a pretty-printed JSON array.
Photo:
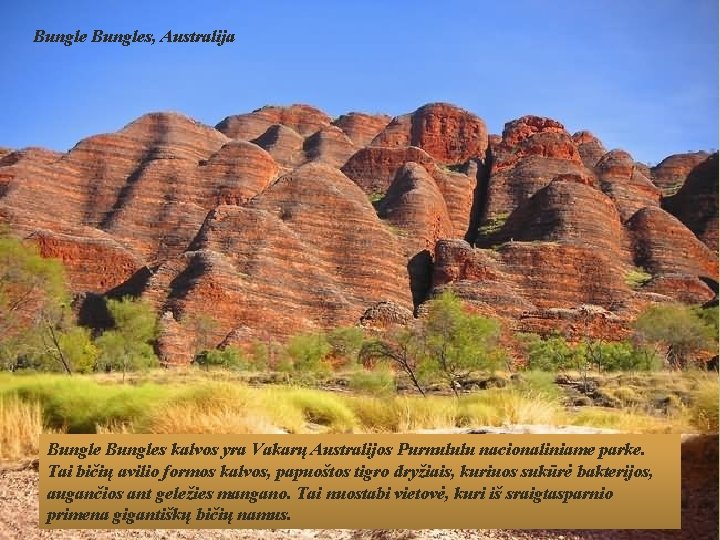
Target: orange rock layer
[{"x": 284, "y": 220}]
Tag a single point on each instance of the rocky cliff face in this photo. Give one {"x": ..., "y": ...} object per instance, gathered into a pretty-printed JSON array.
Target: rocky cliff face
[
  {"x": 283, "y": 220},
  {"x": 670, "y": 174},
  {"x": 696, "y": 202}
]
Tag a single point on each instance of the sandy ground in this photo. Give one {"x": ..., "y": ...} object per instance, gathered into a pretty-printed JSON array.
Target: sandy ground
[{"x": 19, "y": 514}]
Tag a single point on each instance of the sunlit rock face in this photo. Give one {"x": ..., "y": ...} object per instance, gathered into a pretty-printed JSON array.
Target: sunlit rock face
[{"x": 285, "y": 220}]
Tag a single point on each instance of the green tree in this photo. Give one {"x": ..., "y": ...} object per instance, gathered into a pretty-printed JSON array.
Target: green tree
[
  {"x": 449, "y": 343},
  {"x": 309, "y": 352},
  {"x": 230, "y": 358},
  {"x": 29, "y": 285},
  {"x": 710, "y": 316},
  {"x": 402, "y": 348},
  {"x": 79, "y": 349},
  {"x": 346, "y": 344},
  {"x": 128, "y": 346},
  {"x": 677, "y": 329},
  {"x": 457, "y": 342},
  {"x": 553, "y": 353},
  {"x": 36, "y": 324},
  {"x": 61, "y": 346},
  {"x": 624, "y": 356}
]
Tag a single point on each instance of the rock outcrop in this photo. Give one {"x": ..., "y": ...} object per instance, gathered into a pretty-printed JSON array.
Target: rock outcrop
[
  {"x": 308, "y": 253},
  {"x": 591, "y": 149},
  {"x": 329, "y": 145},
  {"x": 303, "y": 119},
  {"x": 374, "y": 167},
  {"x": 447, "y": 133},
  {"x": 696, "y": 203},
  {"x": 677, "y": 259},
  {"x": 532, "y": 152},
  {"x": 362, "y": 128},
  {"x": 282, "y": 220},
  {"x": 670, "y": 174},
  {"x": 622, "y": 181},
  {"x": 284, "y": 144},
  {"x": 94, "y": 261},
  {"x": 414, "y": 204}
]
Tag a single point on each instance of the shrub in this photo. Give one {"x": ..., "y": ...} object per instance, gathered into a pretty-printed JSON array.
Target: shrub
[
  {"x": 509, "y": 406},
  {"x": 83, "y": 405},
  {"x": 677, "y": 328},
  {"x": 345, "y": 344},
  {"x": 378, "y": 381},
  {"x": 539, "y": 382},
  {"x": 375, "y": 196},
  {"x": 457, "y": 342},
  {"x": 623, "y": 356},
  {"x": 323, "y": 408},
  {"x": 627, "y": 396},
  {"x": 637, "y": 277},
  {"x": 493, "y": 224},
  {"x": 709, "y": 316},
  {"x": 79, "y": 349},
  {"x": 448, "y": 345},
  {"x": 230, "y": 358},
  {"x": 374, "y": 414},
  {"x": 128, "y": 346},
  {"x": 259, "y": 358},
  {"x": 551, "y": 354},
  {"x": 308, "y": 353},
  {"x": 30, "y": 282},
  {"x": 211, "y": 408},
  {"x": 74, "y": 345}
]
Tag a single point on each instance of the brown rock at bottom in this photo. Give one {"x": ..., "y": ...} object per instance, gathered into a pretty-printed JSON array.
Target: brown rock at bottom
[
  {"x": 416, "y": 209},
  {"x": 521, "y": 278},
  {"x": 532, "y": 152},
  {"x": 94, "y": 262},
  {"x": 257, "y": 228},
  {"x": 414, "y": 204},
  {"x": 566, "y": 211}
]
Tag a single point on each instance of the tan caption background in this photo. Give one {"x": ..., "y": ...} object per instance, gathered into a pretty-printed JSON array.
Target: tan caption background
[{"x": 640, "y": 503}]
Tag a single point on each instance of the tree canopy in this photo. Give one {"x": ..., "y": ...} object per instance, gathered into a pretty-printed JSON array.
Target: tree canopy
[
  {"x": 678, "y": 329},
  {"x": 34, "y": 309},
  {"x": 448, "y": 343},
  {"x": 128, "y": 345}
]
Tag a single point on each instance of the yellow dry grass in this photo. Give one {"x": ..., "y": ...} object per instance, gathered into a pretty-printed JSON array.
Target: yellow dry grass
[
  {"x": 30, "y": 404},
  {"x": 20, "y": 428}
]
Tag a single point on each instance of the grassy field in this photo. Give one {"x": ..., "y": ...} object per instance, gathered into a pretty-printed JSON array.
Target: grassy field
[{"x": 193, "y": 401}]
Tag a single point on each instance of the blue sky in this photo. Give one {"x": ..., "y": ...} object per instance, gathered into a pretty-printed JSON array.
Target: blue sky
[{"x": 641, "y": 75}]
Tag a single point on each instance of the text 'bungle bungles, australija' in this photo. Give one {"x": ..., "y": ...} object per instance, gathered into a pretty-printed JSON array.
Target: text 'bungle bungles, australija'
[{"x": 218, "y": 37}]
